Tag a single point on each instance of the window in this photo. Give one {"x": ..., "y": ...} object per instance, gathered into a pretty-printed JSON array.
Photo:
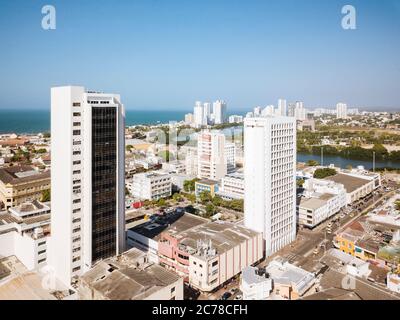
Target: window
[
  {"x": 41, "y": 252},
  {"x": 173, "y": 290},
  {"x": 76, "y": 104},
  {"x": 76, "y": 269},
  {"x": 77, "y": 114},
  {"x": 41, "y": 260},
  {"x": 214, "y": 263},
  {"x": 76, "y": 132}
]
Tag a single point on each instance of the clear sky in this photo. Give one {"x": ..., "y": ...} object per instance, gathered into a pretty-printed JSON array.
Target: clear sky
[{"x": 166, "y": 54}]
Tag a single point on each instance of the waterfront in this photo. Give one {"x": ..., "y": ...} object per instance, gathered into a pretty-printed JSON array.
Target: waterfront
[
  {"x": 35, "y": 121},
  {"x": 343, "y": 162}
]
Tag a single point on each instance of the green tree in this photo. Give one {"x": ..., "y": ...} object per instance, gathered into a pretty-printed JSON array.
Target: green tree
[
  {"x": 189, "y": 185},
  {"x": 161, "y": 202},
  {"x": 312, "y": 163},
  {"x": 205, "y": 197},
  {"x": 46, "y": 195},
  {"x": 210, "y": 210},
  {"x": 299, "y": 183},
  {"x": 323, "y": 173}
]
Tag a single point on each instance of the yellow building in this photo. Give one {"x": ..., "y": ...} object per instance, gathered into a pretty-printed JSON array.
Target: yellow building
[
  {"x": 347, "y": 239},
  {"x": 21, "y": 184}
]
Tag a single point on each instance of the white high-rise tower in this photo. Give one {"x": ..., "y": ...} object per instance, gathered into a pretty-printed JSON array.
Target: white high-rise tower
[
  {"x": 219, "y": 111},
  {"x": 87, "y": 180},
  {"x": 341, "y": 110},
  {"x": 270, "y": 179}
]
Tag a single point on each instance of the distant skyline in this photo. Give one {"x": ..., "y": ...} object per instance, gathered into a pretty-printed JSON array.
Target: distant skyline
[{"x": 167, "y": 54}]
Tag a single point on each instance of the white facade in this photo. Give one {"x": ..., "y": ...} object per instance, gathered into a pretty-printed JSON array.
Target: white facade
[
  {"x": 150, "y": 186},
  {"x": 282, "y": 108},
  {"x": 198, "y": 114},
  {"x": 189, "y": 118},
  {"x": 300, "y": 111},
  {"x": 230, "y": 155},
  {"x": 219, "y": 111},
  {"x": 212, "y": 162},
  {"x": 24, "y": 233},
  {"x": 393, "y": 282},
  {"x": 235, "y": 119},
  {"x": 255, "y": 284},
  {"x": 233, "y": 185},
  {"x": 341, "y": 110},
  {"x": 191, "y": 164},
  {"x": 322, "y": 199},
  {"x": 270, "y": 179},
  {"x": 79, "y": 144}
]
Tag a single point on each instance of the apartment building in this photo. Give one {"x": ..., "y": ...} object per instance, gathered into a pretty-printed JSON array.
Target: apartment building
[
  {"x": 20, "y": 184},
  {"x": 321, "y": 200},
  {"x": 232, "y": 187},
  {"x": 24, "y": 233},
  {"x": 270, "y": 179},
  {"x": 212, "y": 161},
  {"x": 150, "y": 185},
  {"x": 88, "y": 179}
]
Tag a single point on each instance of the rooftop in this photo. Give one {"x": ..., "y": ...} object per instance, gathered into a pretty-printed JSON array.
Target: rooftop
[
  {"x": 20, "y": 174},
  {"x": 129, "y": 276},
  {"x": 350, "y": 183},
  {"x": 207, "y": 182}
]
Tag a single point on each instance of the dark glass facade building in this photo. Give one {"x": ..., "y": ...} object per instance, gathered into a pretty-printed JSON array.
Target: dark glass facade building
[{"x": 104, "y": 182}]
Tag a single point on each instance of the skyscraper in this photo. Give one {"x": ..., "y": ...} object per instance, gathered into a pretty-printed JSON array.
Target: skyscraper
[
  {"x": 282, "y": 109},
  {"x": 270, "y": 179},
  {"x": 341, "y": 110},
  {"x": 87, "y": 181},
  {"x": 219, "y": 110},
  {"x": 198, "y": 114},
  {"x": 300, "y": 111}
]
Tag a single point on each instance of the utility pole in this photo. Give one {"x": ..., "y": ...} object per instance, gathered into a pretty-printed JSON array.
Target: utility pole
[
  {"x": 373, "y": 162},
  {"x": 322, "y": 156}
]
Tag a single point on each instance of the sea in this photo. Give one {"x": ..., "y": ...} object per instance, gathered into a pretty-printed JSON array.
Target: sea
[{"x": 35, "y": 121}]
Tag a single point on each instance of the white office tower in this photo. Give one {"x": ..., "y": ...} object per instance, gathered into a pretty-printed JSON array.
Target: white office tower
[
  {"x": 270, "y": 179},
  {"x": 300, "y": 111},
  {"x": 219, "y": 110},
  {"x": 87, "y": 180},
  {"x": 198, "y": 114},
  {"x": 341, "y": 110},
  {"x": 207, "y": 112},
  {"x": 282, "y": 109},
  {"x": 212, "y": 162},
  {"x": 268, "y": 111}
]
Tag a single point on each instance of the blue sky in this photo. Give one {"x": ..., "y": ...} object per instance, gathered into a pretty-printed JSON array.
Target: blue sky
[{"x": 166, "y": 54}]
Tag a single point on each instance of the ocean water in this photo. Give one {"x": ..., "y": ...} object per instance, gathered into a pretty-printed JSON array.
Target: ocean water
[{"x": 34, "y": 121}]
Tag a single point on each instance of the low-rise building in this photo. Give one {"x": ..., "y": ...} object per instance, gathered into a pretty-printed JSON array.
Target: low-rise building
[
  {"x": 321, "y": 200},
  {"x": 206, "y": 254},
  {"x": 232, "y": 187},
  {"x": 206, "y": 185},
  {"x": 20, "y": 184},
  {"x": 255, "y": 284},
  {"x": 393, "y": 282},
  {"x": 150, "y": 185},
  {"x": 289, "y": 281},
  {"x": 175, "y": 166},
  {"x": 24, "y": 233},
  {"x": 130, "y": 276},
  {"x": 357, "y": 185}
]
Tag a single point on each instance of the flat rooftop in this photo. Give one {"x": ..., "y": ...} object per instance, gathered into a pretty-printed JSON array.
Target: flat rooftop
[
  {"x": 21, "y": 174},
  {"x": 128, "y": 277},
  {"x": 207, "y": 182},
  {"x": 311, "y": 203},
  {"x": 350, "y": 183},
  {"x": 174, "y": 223}
]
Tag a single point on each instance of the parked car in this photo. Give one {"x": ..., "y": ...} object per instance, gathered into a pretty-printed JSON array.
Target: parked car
[{"x": 226, "y": 296}]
